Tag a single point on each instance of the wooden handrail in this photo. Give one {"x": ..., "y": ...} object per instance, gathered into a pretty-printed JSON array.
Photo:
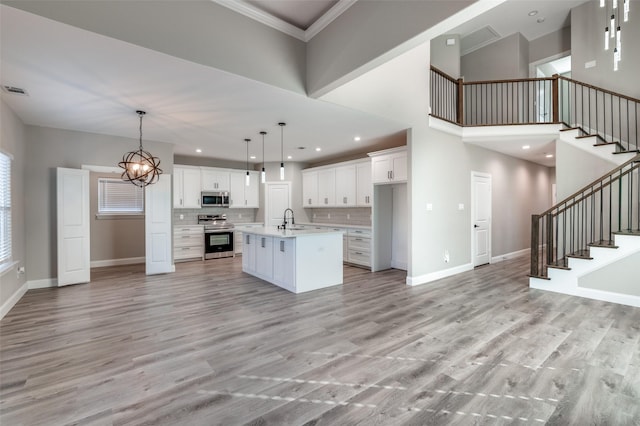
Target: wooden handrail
[
  {"x": 608, "y": 92},
  {"x": 594, "y": 183},
  {"x": 514, "y": 80},
  {"x": 444, "y": 74}
]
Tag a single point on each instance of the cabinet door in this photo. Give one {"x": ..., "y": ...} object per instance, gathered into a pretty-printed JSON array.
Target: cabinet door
[
  {"x": 236, "y": 189},
  {"x": 309, "y": 189},
  {"x": 381, "y": 169},
  {"x": 327, "y": 187},
  {"x": 399, "y": 167},
  {"x": 264, "y": 256},
  {"x": 284, "y": 263},
  {"x": 252, "y": 192},
  {"x": 215, "y": 179},
  {"x": 364, "y": 187},
  {"x": 345, "y": 184},
  {"x": 249, "y": 253},
  {"x": 191, "y": 188},
  {"x": 178, "y": 188}
]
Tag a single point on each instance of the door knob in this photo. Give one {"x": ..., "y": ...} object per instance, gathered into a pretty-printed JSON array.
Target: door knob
[{"x": 475, "y": 226}]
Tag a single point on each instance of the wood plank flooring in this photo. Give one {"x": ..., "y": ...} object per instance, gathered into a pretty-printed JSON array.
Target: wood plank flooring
[{"x": 210, "y": 345}]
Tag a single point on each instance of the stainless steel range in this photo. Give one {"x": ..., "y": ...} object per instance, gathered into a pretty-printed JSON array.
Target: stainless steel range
[{"x": 218, "y": 236}]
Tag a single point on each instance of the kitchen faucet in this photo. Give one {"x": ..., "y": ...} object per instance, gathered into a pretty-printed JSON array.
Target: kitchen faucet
[{"x": 284, "y": 219}]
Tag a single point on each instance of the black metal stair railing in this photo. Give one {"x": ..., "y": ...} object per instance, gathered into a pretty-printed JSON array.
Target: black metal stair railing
[{"x": 588, "y": 218}]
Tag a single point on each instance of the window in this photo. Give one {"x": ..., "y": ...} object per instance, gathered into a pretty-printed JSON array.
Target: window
[
  {"x": 118, "y": 197},
  {"x": 5, "y": 210}
]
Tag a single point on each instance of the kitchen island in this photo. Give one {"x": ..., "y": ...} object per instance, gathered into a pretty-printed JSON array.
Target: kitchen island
[{"x": 297, "y": 260}]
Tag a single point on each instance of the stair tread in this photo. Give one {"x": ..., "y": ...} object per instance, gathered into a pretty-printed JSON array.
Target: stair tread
[
  {"x": 569, "y": 129},
  {"x": 586, "y": 136},
  {"x": 631, "y": 151},
  {"x": 580, "y": 254},
  {"x": 603, "y": 244},
  {"x": 564, "y": 268},
  {"x": 606, "y": 143},
  {"x": 542, "y": 277},
  {"x": 628, "y": 232}
]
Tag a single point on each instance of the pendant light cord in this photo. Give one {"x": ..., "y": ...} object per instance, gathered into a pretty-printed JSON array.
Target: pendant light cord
[{"x": 141, "y": 114}]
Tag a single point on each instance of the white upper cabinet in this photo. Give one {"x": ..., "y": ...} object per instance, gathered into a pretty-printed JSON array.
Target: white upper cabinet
[
  {"x": 186, "y": 187},
  {"x": 345, "y": 184},
  {"x": 215, "y": 179},
  {"x": 310, "y": 189},
  {"x": 389, "y": 166},
  {"x": 327, "y": 187},
  {"x": 364, "y": 187},
  {"x": 241, "y": 195}
]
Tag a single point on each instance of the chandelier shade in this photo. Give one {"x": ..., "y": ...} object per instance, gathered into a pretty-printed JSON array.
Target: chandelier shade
[{"x": 140, "y": 167}]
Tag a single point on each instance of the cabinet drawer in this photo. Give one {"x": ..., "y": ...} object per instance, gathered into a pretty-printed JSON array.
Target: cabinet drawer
[
  {"x": 359, "y": 257},
  {"x": 188, "y": 240},
  {"x": 360, "y": 243},
  {"x": 360, "y": 232},
  {"x": 187, "y": 252},
  {"x": 188, "y": 230}
]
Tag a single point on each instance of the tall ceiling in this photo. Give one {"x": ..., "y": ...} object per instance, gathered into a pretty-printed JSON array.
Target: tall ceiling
[{"x": 84, "y": 81}]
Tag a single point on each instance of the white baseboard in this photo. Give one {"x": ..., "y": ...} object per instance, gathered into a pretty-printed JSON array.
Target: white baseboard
[
  {"x": 117, "y": 262},
  {"x": 511, "y": 255},
  {"x": 427, "y": 278},
  {"x": 15, "y": 297},
  {"x": 44, "y": 283}
]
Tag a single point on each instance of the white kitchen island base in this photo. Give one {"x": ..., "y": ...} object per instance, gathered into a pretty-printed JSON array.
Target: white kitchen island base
[{"x": 297, "y": 261}]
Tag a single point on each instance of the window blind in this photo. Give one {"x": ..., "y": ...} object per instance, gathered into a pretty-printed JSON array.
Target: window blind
[
  {"x": 5, "y": 208},
  {"x": 119, "y": 197}
]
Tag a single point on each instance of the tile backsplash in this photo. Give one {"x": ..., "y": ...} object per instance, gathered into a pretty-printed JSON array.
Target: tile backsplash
[
  {"x": 190, "y": 216},
  {"x": 360, "y": 216}
]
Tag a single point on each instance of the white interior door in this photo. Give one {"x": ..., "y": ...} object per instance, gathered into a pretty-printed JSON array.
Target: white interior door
[
  {"x": 277, "y": 200},
  {"x": 74, "y": 259},
  {"x": 157, "y": 220},
  {"x": 481, "y": 218}
]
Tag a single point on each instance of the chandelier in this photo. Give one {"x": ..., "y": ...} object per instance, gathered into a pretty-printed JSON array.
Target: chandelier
[
  {"x": 613, "y": 28},
  {"x": 140, "y": 167}
]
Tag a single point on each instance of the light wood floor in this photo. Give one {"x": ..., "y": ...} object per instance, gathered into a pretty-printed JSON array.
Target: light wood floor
[{"x": 211, "y": 345}]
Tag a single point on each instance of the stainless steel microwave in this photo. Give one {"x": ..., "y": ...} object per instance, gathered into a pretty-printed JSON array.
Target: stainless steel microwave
[{"x": 215, "y": 199}]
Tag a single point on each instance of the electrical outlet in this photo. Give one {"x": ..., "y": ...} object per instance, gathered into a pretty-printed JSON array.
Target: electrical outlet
[
  {"x": 446, "y": 256},
  {"x": 181, "y": 217},
  {"x": 20, "y": 271}
]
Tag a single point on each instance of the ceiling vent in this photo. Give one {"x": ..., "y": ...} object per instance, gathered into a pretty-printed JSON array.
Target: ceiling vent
[
  {"x": 477, "y": 39},
  {"x": 15, "y": 90}
]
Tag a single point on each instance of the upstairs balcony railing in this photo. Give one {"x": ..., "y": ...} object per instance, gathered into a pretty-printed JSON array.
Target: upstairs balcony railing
[{"x": 610, "y": 116}]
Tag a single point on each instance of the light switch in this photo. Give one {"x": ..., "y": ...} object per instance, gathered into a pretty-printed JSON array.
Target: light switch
[
  {"x": 429, "y": 207},
  {"x": 460, "y": 206},
  {"x": 590, "y": 64}
]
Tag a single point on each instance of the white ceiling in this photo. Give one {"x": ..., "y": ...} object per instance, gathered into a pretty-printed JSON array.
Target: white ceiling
[{"x": 83, "y": 81}]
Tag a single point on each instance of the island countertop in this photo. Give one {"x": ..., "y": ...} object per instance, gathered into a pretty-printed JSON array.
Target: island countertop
[{"x": 272, "y": 231}]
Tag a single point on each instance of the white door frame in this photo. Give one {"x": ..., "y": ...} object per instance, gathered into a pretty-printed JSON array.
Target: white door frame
[
  {"x": 472, "y": 214},
  {"x": 266, "y": 197}
]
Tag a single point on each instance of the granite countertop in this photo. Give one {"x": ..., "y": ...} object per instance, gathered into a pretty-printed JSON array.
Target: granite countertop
[{"x": 334, "y": 225}]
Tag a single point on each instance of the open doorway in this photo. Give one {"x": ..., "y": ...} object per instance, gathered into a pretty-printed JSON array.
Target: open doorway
[{"x": 546, "y": 68}]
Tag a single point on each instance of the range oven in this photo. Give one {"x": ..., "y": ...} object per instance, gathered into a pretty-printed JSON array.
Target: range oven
[
  {"x": 218, "y": 236},
  {"x": 218, "y": 243}
]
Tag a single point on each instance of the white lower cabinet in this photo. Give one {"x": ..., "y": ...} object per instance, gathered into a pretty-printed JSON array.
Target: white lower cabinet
[
  {"x": 284, "y": 263},
  {"x": 264, "y": 257},
  {"x": 249, "y": 253},
  {"x": 188, "y": 243},
  {"x": 359, "y": 247}
]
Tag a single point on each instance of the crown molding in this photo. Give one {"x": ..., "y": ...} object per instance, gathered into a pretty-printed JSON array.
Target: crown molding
[
  {"x": 250, "y": 11},
  {"x": 331, "y": 14}
]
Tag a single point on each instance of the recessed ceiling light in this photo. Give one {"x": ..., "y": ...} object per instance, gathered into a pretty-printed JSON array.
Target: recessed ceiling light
[
  {"x": 198, "y": 150},
  {"x": 318, "y": 149},
  {"x": 253, "y": 157},
  {"x": 289, "y": 157},
  {"x": 357, "y": 139},
  {"x": 549, "y": 155},
  {"x": 540, "y": 20},
  {"x": 525, "y": 147},
  {"x": 533, "y": 13}
]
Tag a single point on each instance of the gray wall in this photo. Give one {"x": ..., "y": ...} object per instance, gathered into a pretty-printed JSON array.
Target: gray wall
[
  {"x": 187, "y": 160},
  {"x": 446, "y": 58},
  {"x": 114, "y": 237},
  {"x": 550, "y": 45},
  {"x": 576, "y": 168},
  {"x": 199, "y": 31},
  {"x": 625, "y": 272},
  {"x": 49, "y": 148},
  {"x": 381, "y": 26},
  {"x": 504, "y": 59},
  {"x": 12, "y": 141},
  {"x": 587, "y": 44}
]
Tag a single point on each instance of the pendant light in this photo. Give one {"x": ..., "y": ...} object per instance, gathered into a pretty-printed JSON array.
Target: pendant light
[
  {"x": 614, "y": 15},
  {"x": 140, "y": 167},
  {"x": 247, "y": 180},
  {"x": 282, "y": 149},
  {"x": 263, "y": 174}
]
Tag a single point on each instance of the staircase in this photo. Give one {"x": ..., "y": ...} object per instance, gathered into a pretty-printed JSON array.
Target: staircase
[{"x": 588, "y": 244}]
